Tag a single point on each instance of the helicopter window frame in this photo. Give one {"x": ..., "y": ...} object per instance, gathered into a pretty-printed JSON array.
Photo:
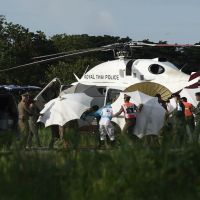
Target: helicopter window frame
[{"x": 160, "y": 69}]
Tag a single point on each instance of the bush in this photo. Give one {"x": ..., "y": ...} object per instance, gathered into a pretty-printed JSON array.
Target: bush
[{"x": 128, "y": 172}]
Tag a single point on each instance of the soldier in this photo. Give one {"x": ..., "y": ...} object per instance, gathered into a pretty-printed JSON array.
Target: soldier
[
  {"x": 24, "y": 113},
  {"x": 129, "y": 110},
  {"x": 196, "y": 111},
  {"x": 178, "y": 122},
  {"x": 33, "y": 126}
]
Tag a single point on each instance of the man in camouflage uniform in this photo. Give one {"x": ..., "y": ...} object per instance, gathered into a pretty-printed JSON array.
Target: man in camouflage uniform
[
  {"x": 23, "y": 113},
  {"x": 179, "y": 136},
  {"x": 196, "y": 111}
]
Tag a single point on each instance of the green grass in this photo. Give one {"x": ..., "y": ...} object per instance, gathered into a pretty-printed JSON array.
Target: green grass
[{"x": 140, "y": 170}]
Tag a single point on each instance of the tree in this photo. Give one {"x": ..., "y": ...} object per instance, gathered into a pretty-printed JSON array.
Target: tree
[{"x": 18, "y": 45}]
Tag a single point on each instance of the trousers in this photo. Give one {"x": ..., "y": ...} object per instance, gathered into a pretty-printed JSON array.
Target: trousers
[
  {"x": 129, "y": 126},
  {"x": 106, "y": 130}
]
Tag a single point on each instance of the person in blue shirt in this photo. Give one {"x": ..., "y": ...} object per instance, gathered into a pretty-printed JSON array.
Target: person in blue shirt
[
  {"x": 93, "y": 111},
  {"x": 105, "y": 126}
]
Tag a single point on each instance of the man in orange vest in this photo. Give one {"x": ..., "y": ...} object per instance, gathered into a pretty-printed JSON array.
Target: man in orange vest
[
  {"x": 189, "y": 117},
  {"x": 129, "y": 110}
]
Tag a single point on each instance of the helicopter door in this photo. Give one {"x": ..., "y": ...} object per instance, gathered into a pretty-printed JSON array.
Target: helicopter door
[
  {"x": 129, "y": 68},
  {"x": 51, "y": 91}
]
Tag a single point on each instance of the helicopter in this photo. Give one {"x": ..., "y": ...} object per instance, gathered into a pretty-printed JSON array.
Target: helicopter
[
  {"x": 123, "y": 72},
  {"x": 119, "y": 74}
]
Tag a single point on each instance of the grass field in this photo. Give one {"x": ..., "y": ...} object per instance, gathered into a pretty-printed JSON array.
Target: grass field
[{"x": 128, "y": 171}]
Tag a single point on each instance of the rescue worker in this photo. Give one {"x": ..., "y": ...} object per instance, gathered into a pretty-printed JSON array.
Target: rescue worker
[
  {"x": 189, "y": 117},
  {"x": 94, "y": 111},
  {"x": 59, "y": 133},
  {"x": 105, "y": 126},
  {"x": 23, "y": 117},
  {"x": 54, "y": 135},
  {"x": 70, "y": 127},
  {"x": 161, "y": 101},
  {"x": 33, "y": 126},
  {"x": 129, "y": 110},
  {"x": 163, "y": 104},
  {"x": 196, "y": 111},
  {"x": 178, "y": 122}
]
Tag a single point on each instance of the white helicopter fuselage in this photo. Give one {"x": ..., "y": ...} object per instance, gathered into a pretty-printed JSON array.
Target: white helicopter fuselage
[{"x": 122, "y": 73}]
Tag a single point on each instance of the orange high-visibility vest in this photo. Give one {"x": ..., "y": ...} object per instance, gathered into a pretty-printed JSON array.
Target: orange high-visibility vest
[
  {"x": 188, "y": 107},
  {"x": 129, "y": 110}
]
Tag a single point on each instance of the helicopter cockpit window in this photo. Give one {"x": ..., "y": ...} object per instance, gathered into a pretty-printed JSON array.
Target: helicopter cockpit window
[
  {"x": 102, "y": 91},
  {"x": 129, "y": 68},
  {"x": 156, "y": 69},
  {"x": 112, "y": 95}
]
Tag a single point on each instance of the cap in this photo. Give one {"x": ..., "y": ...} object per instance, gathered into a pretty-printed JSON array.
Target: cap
[
  {"x": 25, "y": 94},
  {"x": 197, "y": 93},
  {"x": 126, "y": 96}
]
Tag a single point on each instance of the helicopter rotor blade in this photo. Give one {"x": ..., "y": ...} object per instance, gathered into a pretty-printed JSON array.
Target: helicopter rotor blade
[
  {"x": 110, "y": 47},
  {"x": 48, "y": 56},
  {"x": 177, "y": 45},
  {"x": 134, "y": 44},
  {"x": 73, "y": 53},
  {"x": 102, "y": 48}
]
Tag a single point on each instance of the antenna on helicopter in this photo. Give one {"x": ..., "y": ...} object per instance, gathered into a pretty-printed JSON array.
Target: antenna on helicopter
[{"x": 86, "y": 69}]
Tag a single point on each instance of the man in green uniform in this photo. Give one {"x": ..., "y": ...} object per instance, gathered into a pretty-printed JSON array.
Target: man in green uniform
[
  {"x": 23, "y": 113},
  {"x": 33, "y": 126},
  {"x": 196, "y": 111},
  {"x": 178, "y": 122}
]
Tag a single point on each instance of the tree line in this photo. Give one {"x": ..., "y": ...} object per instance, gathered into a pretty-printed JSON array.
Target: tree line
[{"x": 18, "y": 45}]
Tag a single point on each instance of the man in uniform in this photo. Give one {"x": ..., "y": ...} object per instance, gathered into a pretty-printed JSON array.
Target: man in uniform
[
  {"x": 33, "y": 126},
  {"x": 129, "y": 110},
  {"x": 196, "y": 111},
  {"x": 178, "y": 120},
  {"x": 23, "y": 113},
  {"x": 189, "y": 117}
]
